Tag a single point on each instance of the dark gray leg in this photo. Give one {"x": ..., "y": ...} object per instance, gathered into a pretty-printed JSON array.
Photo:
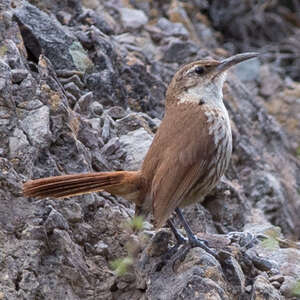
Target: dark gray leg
[
  {"x": 193, "y": 240},
  {"x": 181, "y": 240},
  {"x": 179, "y": 237}
]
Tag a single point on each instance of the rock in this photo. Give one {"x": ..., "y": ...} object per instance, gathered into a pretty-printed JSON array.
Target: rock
[
  {"x": 72, "y": 212},
  {"x": 133, "y": 18},
  {"x": 44, "y": 34},
  {"x": 55, "y": 220},
  {"x": 276, "y": 284},
  {"x": 84, "y": 102},
  {"x": 269, "y": 197},
  {"x": 261, "y": 264},
  {"x": 101, "y": 248},
  {"x": 285, "y": 107},
  {"x": 159, "y": 244},
  {"x": 195, "y": 275},
  {"x": 177, "y": 51},
  {"x": 278, "y": 278},
  {"x": 134, "y": 121},
  {"x": 64, "y": 6},
  {"x": 206, "y": 35},
  {"x": 107, "y": 87},
  {"x": 235, "y": 275},
  {"x": 116, "y": 112},
  {"x": 288, "y": 287},
  {"x": 262, "y": 289},
  {"x": 249, "y": 71},
  {"x": 106, "y": 129},
  {"x": 111, "y": 147},
  {"x": 18, "y": 75},
  {"x": 34, "y": 233},
  {"x": 80, "y": 57},
  {"x": 92, "y": 101},
  {"x": 96, "y": 108},
  {"x": 270, "y": 81},
  {"x": 17, "y": 143},
  {"x": 172, "y": 29},
  {"x": 36, "y": 125},
  {"x": 135, "y": 144},
  {"x": 73, "y": 89},
  {"x": 100, "y": 19}
]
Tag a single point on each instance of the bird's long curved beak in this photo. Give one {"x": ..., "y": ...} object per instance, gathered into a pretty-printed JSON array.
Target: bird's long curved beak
[{"x": 233, "y": 60}]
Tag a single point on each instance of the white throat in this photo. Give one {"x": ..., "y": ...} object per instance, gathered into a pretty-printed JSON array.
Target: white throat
[{"x": 209, "y": 93}]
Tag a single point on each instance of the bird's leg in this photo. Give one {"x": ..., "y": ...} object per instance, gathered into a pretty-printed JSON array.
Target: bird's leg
[
  {"x": 193, "y": 240},
  {"x": 179, "y": 238}
]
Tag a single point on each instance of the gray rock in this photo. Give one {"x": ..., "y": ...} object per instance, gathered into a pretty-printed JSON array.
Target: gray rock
[
  {"x": 159, "y": 243},
  {"x": 136, "y": 144},
  {"x": 89, "y": 136},
  {"x": 116, "y": 112},
  {"x": 98, "y": 18},
  {"x": 74, "y": 78},
  {"x": 18, "y": 75},
  {"x": 96, "y": 108},
  {"x": 269, "y": 197},
  {"x": 278, "y": 278},
  {"x": 101, "y": 248},
  {"x": 262, "y": 289},
  {"x": 80, "y": 57},
  {"x": 287, "y": 288},
  {"x": 111, "y": 147},
  {"x": 99, "y": 162},
  {"x": 45, "y": 34},
  {"x": 183, "y": 278},
  {"x": 55, "y": 220},
  {"x": 17, "y": 143},
  {"x": 133, "y": 121},
  {"x": 34, "y": 233},
  {"x": 73, "y": 89},
  {"x": 172, "y": 29},
  {"x": 72, "y": 212},
  {"x": 248, "y": 71},
  {"x": 106, "y": 85},
  {"x": 133, "y": 18},
  {"x": 269, "y": 80},
  {"x": 129, "y": 71},
  {"x": 235, "y": 275},
  {"x": 36, "y": 126},
  {"x": 261, "y": 263},
  {"x": 177, "y": 51},
  {"x": 206, "y": 35},
  {"x": 84, "y": 102}
]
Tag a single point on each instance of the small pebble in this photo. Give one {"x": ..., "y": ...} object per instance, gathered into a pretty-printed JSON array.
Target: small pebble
[
  {"x": 278, "y": 278},
  {"x": 276, "y": 284},
  {"x": 248, "y": 288},
  {"x": 18, "y": 75}
]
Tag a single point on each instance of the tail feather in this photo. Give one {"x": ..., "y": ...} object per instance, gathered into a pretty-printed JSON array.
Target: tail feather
[{"x": 120, "y": 183}]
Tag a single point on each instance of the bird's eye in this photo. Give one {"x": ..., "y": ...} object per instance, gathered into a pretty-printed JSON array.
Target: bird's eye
[{"x": 199, "y": 70}]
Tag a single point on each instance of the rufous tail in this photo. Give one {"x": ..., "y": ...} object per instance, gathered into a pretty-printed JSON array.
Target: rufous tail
[{"x": 121, "y": 183}]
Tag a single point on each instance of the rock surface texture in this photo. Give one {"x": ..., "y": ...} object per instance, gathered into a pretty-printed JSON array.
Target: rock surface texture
[{"x": 82, "y": 89}]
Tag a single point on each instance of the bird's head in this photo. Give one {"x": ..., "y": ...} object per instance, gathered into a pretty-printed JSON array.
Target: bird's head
[{"x": 202, "y": 81}]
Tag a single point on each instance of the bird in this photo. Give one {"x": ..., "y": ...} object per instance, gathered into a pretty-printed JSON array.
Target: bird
[{"x": 188, "y": 155}]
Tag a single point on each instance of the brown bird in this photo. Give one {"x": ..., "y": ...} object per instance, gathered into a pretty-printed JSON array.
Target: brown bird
[{"x": 189, "y": 153}]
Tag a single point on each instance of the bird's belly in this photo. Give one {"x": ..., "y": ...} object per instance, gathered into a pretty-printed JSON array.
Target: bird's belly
[{"x": 215, "y": 169}]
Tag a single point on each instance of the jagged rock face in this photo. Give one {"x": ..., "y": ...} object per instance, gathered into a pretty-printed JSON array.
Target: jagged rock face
[{"x": 82, "y": 88}]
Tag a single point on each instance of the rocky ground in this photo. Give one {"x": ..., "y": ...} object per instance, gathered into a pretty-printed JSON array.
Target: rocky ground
[{"x": 82, "y": 88}]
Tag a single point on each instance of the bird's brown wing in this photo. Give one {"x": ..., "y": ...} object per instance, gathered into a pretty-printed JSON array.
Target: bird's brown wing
[{"x": 179, "y": 157}]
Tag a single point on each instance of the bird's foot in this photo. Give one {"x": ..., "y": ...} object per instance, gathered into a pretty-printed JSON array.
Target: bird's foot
[
  {"x": 171, "y": 251},
  {"x": 196, "y": 242},
  {"x": 192, "y": 241}
]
